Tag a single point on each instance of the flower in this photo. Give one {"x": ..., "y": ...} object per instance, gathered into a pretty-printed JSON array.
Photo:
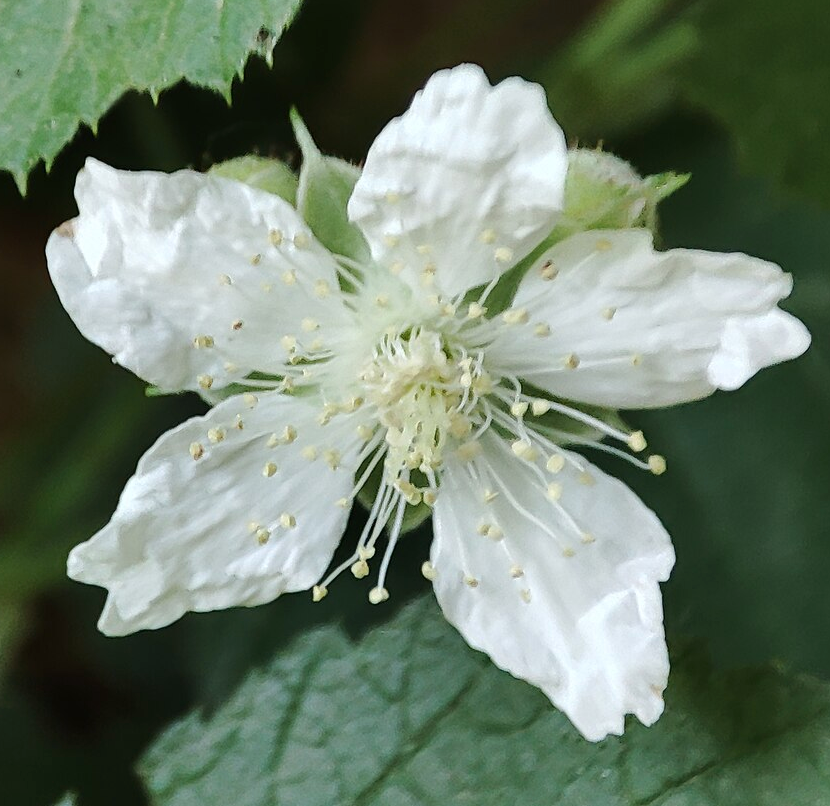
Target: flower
[{"x": 539, "y": 558}]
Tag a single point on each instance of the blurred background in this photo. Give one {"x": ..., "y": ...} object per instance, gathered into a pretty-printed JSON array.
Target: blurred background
[{"x": 737, "y": 93}]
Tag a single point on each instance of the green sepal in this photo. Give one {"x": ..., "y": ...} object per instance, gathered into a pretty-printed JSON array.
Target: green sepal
[
  {"x": 263, "y": 173},
  {"x": 414, "y": 514},
  {"x": 325, "y": 186}
]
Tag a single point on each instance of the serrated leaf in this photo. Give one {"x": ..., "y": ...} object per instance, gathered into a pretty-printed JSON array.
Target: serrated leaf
[
  {"x": 326, "y": 183},
  {"x": 62, "y": 64},
  {"x": 411, "y": 716}
]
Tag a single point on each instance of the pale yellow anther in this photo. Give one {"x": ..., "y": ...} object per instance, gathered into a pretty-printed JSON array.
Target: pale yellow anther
[
  {"x": 343, "y": 503},
  {"x": 475, "y": 311},
  {"x": 525, "y": 594},
  {"x": 287, "y": 520},
  {"x": 382, "y": 301},
  {"x": 428, "y": 571},
  {"x": 322, "y": 289},
  {"x": 483, "y": 529},
  {"x": 423, "y": 249},
  {"x": 250, "y": 399},
  {"x": 657, "y": 464},
  {"x": 636, "y": 360},
  {"x": 568, "y": 552},
  {"x": 460, "y": 426},
  {"x": 571, "y": 361},
  {"x": 466, "y": 380},
  {"x": 366, "y": 552},
  {"x": 524, "y": 450},
  {"x": 554, "y": 491},
  {"x": 272, "y": 441},
  {"x": 318, "y": 593},
  {"x": 603, "y": 245},
  {"x": 238, "y": 422},
  {"x": 448, "y": 309},
  {"x": 637, "y": 441},
  {"x": 548, "y": 271},
  {"x": 269, "y": 470},
  {"x": 516, "y": 316},
  {"x": 378, "y": 595},
  {"x": 586, "y": 479},
  {"x": 541, "y": 330},
  {"x": 396, "y": 267},
  {"x": 275, "y": 237},
  {"x": 470, "y": 582},
  {"x": 287, "y": 383},
  {"x": 262, "y": 536},
  {"x": 391, "y": 240},
  {"x": 555, "y": 463},
  {"x": 503, "y": 254},
  {"x": 205, "y": 381},
  {"x": 332, "y": 458},
  {"x": 237, "y": 324},
  {"x": 519, "y": 408},
  {"x": 516, "y": 571},
  {"x": 427, "y": 280},
  {"x": 216, "y": 435},
  {"x": 352, "y": 404},
  {"x": 256, "y": 259},
  {"x": 483, "y": 384},
  {"x": 289, "y": 277},
  {"x": 364, "y": 432},
  {"x": 202, "y": 342},
  {"x": 587, "y": 538},
  {"x": 253, "y": 526},
  {"x": 309, "y": 325},
  {"x": 230, "y": 367},
  {"x": 225, "y": 279},
  {"x": 392, "y": 197},
  {"x": 360, "y": 569},
  {"x": 289, "y": 434},
  {"x": 468, "y": 451},
  {"x": 540, "y": 407},
  {"x": 197, "y": 450},
  {"x": 495, "y": 533},
  {"x": 301, "y": 240},
  {"x": 608, "y": 313},
  {"x": 317, "y": 345},
  {"x": 488, "y": 236},
  {"x": 289, "y": 343},
  {"x": 430, "y": 497},
  {"x": 309, "y": 452},
  {"x": 490, "y": 496}
]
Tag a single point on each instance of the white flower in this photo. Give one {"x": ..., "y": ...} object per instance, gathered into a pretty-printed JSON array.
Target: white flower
[{"x": 539, "y": 558}]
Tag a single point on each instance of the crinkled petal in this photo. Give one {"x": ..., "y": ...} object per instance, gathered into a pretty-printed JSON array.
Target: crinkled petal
[
  {"x": 568, "y": 599},
  {"x": 158, "y": 264},
  {"x": 188, "y": 533},
  {"x": 465, "y": 183},
  {"x": 631, "y": 327}
]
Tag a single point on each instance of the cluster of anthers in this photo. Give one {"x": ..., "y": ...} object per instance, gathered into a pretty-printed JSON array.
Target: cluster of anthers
[{"x": 424, "y": 390}]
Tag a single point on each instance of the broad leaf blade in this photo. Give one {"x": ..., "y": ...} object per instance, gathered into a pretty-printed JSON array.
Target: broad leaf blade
[
  {"x": 410, "y": 715},
  {"x": 65, "y": 63}
]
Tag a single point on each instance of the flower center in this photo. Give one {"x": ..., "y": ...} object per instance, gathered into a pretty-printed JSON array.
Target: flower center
[{"x": 424, "y": 389}]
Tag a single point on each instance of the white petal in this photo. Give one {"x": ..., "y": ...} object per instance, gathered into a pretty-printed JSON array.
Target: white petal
[
  {"x": 184, "y": 538},
  {"x": 591, "y": 634},
  {"x": 155, "y": 261},
  {"x": 648, "y": 328},
  {"x": 469, "y": 179}
]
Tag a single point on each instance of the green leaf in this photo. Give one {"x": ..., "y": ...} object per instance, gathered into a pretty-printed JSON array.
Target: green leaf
[
  {"x": 326, "y": 183},
  {"x": 260, "y": 172},
  {"x": 62, "y": 64},
  {"x": 410, "y": 715}
]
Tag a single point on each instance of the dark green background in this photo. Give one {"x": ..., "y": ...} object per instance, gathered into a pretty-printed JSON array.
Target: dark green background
[{"x": 741, "y": 100}]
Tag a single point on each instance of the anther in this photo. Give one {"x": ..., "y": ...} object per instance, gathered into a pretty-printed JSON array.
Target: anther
[
  {"x": 378, "y": 595},
  {"x": 205, "y": 381},
  {"x": 301, "y": 240},
  {"x": 490, "y": 496},
  {"x": 197, "y": 451},
  {"x": 202, "y": 342},
  {"x": 488, "y": 236},
  {"x": 657, "y": 464},
  {"x": 360, "y": 569},
  {"x": 571, "y": 361},
  {"x": 238, "y": 422},
  {"x": 250, "y": 399},
  {"x": 364, "y": 432},
  {"x": 483, "y": 529},
  {"x": 289, "y": 277},
  {"x": 287, "y": 520},
  {"x": 636, "y": 360},
  {"x": 321, "y": 289},
  {"x": 474, "y": 310},
  {"x": 216, "y": 435},
  {"x": 541, "y": 330},
  {"x": 318, "y": 593},
  {"x": 275, "y": 237},
  {"x": 587, "y": 538},
  {"x": 256, "y": 260},
  {"x": 332, "y": 458},
  {"x": 504, "y": 254},
  {"x": 309, "y": 325},
  {"x": 468, "y": 450},
  {"x": 366, "y": 552},
  {"x": 289, "y": 343},
  {"x": 289, "y": 434},
  {"x": 343, "y": 503},
  {"x": 540, "y": 407},
  {"x": 554, "y": 491},
  {"x": 524, "y": 450},
  {"x": 548, "y": 271},
  {"x": 470, "y": 582},
  {"x": 428, "y": 571},
  {"x": 637, "y": 442},
  {"x": 519, "y": 409},
  {"x": 568, "y": 552},
  {"x": 608, "y": 313},
  {"x": 309, "y": 452},
  {"x": 555, "y": 463},
  {"x": 224, "y": 279},
  {"x": 237, "y": 324},
  {"x": 392, "y": 197},
  {"x": 269, "y": 470},
  {"x": 262, "y": 536},
  {"x": 495, "y": 533},
  {"x": 525, "y": 594},
  {"x": 586, "y": 479},
  {"x": 516, "y": 316},
  {"x": 516, "y": 571}
]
